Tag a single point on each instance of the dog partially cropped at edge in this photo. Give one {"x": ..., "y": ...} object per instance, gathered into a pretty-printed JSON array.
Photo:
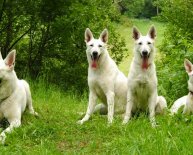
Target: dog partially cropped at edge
[
  {"x": 15, "y": 95},
  {"x": 142, "y": 80},
  {"x": 105, "y": 80},
  {"x": 186, "y": 102}
]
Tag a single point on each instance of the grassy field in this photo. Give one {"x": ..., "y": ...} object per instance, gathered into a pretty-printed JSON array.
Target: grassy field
[{"x": 55, "y": 130}]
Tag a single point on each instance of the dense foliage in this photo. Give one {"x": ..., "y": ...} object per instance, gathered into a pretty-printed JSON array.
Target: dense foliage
[
  {"x": 177, "y": 45},
  {"x": 138, "y": 8},
  {"x": 49, "y": 37}
]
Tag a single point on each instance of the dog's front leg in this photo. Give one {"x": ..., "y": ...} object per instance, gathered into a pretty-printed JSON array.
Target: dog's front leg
[
  {"x": 13, "y": 124},
  {"x": 90, "y": 108},
  {"x": 129, "y": 107},
  {"x": 152, "y": 105},
  {"x": 110, "y": 101}
]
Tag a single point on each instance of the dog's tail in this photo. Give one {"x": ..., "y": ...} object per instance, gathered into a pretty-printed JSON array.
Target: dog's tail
[
  {"x": 178, "y": 105},
  {"x": 161, "y": 105},
  {"x": 101, "y": 108}
]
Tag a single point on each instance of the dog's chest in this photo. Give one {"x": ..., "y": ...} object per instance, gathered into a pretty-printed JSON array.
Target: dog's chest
[
  {"x": 142, "y": 87},
  {"x": 141, "y": 94},
  {"x": 99, "y": 86},
  {"x": 142, "y": 83}
]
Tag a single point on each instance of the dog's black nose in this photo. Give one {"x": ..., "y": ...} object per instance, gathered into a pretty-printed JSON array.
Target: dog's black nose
[
  {"x": 145, "y": 53},
  {"x": 95, "y": 54}
]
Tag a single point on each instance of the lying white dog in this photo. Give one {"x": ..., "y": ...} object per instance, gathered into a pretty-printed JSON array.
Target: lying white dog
[
  {"x": 15, "y": 95},
  {"x": 186, "y": 101},
  {"x": 142, "y": 80},
  {"x": 105, "y": 80}
]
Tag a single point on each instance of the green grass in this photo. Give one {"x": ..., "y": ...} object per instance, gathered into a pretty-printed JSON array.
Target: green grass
[{"x": 55, "y": 131}]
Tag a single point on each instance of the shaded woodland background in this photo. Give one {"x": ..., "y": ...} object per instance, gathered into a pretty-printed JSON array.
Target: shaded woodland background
[{"x": 49, "y": 37}]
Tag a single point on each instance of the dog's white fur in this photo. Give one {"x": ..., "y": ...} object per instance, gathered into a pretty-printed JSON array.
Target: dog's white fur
[
  {"x": 15, "y": 95},
  {"x": 106, "y": 82},
  {"x": 186, "y": 101},
  {"x": 142, "y": 82}
]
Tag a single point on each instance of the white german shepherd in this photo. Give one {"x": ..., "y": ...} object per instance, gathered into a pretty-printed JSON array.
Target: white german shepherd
[
  {"x": 15, "y": 95},
  {"x": 105, "y": 80},
  {"x": 142, "y": 80},
  {"x": 186, "y": 101}
]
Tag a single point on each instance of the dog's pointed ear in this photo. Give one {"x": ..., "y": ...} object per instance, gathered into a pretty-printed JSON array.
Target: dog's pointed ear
[
  {"x": 104, "y": 36},
  {"x": 152, "y": 32},
  {"x": 88, "y": 35},
  {"x": 10, "y": 59},
  {"x": 188, "y": 66},
  {"x": 136, "y": 33},
  {"x": 0, "y": 54}
]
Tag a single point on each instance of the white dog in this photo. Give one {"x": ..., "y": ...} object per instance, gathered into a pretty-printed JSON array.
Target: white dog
[
  {"x": 186, "y": 101},
  {"x": 142, "y": 80},
  {"x": 14, "y": 95},
  {"x": 105, "y": 80}
]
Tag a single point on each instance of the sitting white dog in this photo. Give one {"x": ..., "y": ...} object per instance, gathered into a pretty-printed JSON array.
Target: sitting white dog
[
  {"x": 142, "y": 79},
  {"x": 106, "y": 82},
  {"x": 15, "y": 95},
  {"x": 186, "y": 101}
]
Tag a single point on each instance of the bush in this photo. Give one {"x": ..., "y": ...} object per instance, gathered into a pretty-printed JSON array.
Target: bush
[
  {"x": 53, "y": 47},
  {"x": 177, "y": 45}
]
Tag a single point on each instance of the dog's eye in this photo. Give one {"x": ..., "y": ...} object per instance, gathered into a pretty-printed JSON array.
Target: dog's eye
[
  {"x": 148, "y": 43},
  {"x": 100, "y": 45},
  {"x": 91, "y": 45},
  {"x": 140, "y": 43}
]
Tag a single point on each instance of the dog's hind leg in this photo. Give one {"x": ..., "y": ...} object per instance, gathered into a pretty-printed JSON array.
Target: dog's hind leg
[
  {"x": 30, "y": 106},
  {"x": 161, "y": 105},
  {"x": 29, "y": 98},
  {"x": 90, "y": 108},
  {"x": 101, "y": 108}
]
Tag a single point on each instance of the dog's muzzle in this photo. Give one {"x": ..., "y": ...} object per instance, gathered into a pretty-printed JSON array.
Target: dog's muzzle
[
  {"x": 95, "y": 56},
  {"x": 145, "y": 54}
]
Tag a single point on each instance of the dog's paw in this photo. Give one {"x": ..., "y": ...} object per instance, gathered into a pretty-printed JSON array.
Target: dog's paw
[
  {"x": 80, "y": 122},
  {"x": 109, "y": 123},
  {"x": 35, "y": 114},
  {"x": 2, "y": 138},
  {"x": 154, "y": 124},
  {"x": 124, "y": 122}
]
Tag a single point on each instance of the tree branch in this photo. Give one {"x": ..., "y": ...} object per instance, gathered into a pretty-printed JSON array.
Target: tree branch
[{"x": 17, "y": 40}]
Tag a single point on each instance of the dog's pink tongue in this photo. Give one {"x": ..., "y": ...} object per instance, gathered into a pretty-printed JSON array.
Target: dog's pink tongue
[
  {"x": 94, "y": 64},
  {"x": 145, "y": 63}
]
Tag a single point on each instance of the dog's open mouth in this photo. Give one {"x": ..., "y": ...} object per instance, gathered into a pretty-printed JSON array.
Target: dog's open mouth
[
  {"x": 95, "y": 60},
  {"x": 145, "y": 64}
]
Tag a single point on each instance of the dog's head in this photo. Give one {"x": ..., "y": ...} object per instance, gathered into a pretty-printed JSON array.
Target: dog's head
[
  {"x": 189, "y": 69},
  {"x": 96, "y": 48},
  {"x": 7, "y": 75},
  {"x": 144, "y": 46}
]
